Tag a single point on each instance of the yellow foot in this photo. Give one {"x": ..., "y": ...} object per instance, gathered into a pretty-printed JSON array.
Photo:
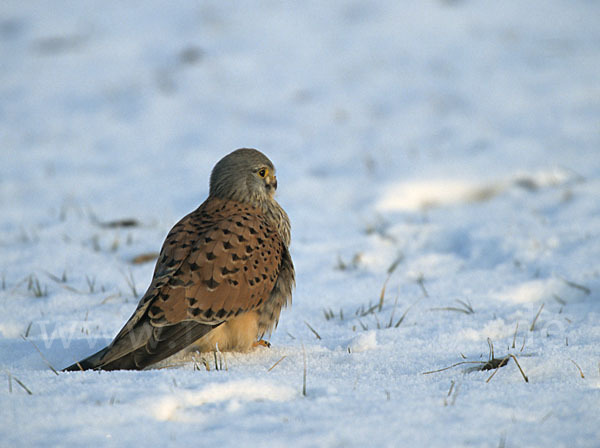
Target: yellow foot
[{"x": 262, "y": 343}]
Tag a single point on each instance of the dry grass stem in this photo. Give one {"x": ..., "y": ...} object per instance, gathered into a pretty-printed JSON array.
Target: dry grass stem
[
  {"x": 456, "y": 390},
  {"x": 219, "y": 358},
  {"x": 127, "y": 222},
  {"x": 18, "y": 381},
  {"x": 18, "y": 284},
  {"x": 465, "y": 308},
  {"x": 28, "y": 329},
  {"x": 91, "y": 282},
  {"x": 41, "y": 354},
  {"x": 395, "y": 264},
  {"x": 502, "y": 363},
  {"x": 361, "y": 312},
  {"x": 199, "y": 359},
  {"x": 131, "y": 283},
  {"x": 304, "y": 373},
  {"x": 466, "y": 305},
  {"x": 451, "y": 387},
  {"x": 525, "y": 377},
  {"x": 491, "y": 347},
  {"x": 536, "y": 317},
  {"x": 578, "y": 368},
  {"x": 62, "y": 279},
  {"x": 421, "y": 283},
  {"x": 70, "y": 288},
  {"x": 515, "y": 335},
  {"x": 502, "y": 443},
  {"x": 109, "y": 298},
  {"x": 451, "y": 395},
  {"x": 377, "y": 321},
  {"x": 353, "y": 264},
  {"x": 382, "y": 294},
  {"x": 168, "y": 366},
  {"x": 452, "y": 366},
  {"x": 275, "y": 365},
  {"x": 34, "y": 285},
  {"x": 330, "y": 314},
  {"x": 216, "y": 360},
  {"x": 313, "y": 330},
  {"x": 405, "y": 313},
  {"x": 587, "y": 291},
  {"x": 390, "y": 271},
  {"x": 390, "y": 323},
  {"x": 144, "y": 258}
]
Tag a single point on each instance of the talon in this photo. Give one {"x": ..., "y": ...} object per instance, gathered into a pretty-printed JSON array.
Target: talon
[{"x": 262, "y": 343}]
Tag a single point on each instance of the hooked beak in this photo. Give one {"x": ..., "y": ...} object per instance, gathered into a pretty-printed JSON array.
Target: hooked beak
[{"x": 271, "y": 183}]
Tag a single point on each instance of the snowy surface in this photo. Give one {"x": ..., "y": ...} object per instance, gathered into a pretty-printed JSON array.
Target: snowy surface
[{"x": 457, "y": 141}]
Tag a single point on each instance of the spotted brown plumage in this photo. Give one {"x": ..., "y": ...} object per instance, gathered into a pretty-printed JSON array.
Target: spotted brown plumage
[
  {"x": 227, "y": 265},
  {"x": 223, "y": 274}
]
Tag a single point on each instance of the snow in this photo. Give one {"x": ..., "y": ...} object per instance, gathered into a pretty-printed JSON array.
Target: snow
[
  {"x": 231, "y": 393},
  {"x": 447, "y": 149},
  {"x": 363, "y": 342}
]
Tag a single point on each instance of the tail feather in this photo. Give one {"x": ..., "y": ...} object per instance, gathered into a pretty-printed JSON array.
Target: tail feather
[
  {"x": 91, "y": 362},
  {"x": 161, "y": 343}
]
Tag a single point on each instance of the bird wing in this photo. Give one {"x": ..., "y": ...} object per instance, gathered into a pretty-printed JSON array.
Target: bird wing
[{"x": 219, "y": 261}]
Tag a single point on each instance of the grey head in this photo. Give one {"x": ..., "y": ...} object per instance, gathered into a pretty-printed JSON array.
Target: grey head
[{"x": 245, "y": 175}]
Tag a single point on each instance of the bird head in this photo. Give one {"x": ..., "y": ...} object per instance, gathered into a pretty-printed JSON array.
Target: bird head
[{"x": 245, "y": 175}]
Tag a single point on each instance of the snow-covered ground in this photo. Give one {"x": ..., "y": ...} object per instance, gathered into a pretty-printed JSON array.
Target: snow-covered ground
[{"x": 454, "y": 144}]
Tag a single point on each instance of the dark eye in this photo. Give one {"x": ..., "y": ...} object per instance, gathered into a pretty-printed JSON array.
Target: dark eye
[{"x": 263, "y": 172}]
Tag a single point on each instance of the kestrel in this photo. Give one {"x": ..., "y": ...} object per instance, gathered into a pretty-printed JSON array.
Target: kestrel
[{"x": 223, "y": 274}]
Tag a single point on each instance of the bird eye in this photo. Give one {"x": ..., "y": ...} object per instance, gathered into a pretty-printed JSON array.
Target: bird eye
[{"x": 263, "y": 172}]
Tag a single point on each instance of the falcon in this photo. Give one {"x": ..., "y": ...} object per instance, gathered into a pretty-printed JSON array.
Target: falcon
[{"x": 222, "y": 277}]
